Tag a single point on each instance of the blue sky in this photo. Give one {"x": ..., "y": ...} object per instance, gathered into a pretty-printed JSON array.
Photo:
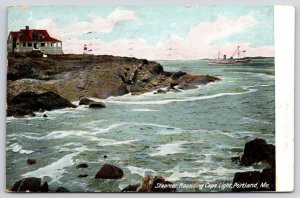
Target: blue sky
[{"x": 152, "y": 26}]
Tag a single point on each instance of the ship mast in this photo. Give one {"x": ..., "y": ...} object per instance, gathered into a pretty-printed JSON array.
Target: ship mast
[{"x": 237, "y": 51}]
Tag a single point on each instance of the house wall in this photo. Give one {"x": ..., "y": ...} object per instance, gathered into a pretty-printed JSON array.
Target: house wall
[
  {"x": 47, "y": 49},
  {"x": 10, "y": 44}
]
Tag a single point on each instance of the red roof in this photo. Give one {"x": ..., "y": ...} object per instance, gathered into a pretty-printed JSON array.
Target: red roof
[{"x": 27, "y": 35}]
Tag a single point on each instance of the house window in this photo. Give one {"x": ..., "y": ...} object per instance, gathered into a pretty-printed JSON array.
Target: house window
[
  {"x": 58, "y": 44},
  {"x": 54, "y": 44},
  {"x": 43, "y": 44},
  {"x": 29, "y": 44},
  {"x": 17, "y": 43},
  {"x": 24, "y": 44}
]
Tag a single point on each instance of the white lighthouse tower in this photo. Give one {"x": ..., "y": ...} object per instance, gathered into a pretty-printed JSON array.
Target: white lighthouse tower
[{"x": 85, "y": 49}]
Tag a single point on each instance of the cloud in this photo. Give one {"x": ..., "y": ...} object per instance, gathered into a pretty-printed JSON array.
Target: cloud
[
  {"x": 197, "y": 44},
  {"x": 97, "y": 23}
]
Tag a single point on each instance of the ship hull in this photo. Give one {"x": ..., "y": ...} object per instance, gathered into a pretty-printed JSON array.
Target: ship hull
[{"x": 229, "y": 62}]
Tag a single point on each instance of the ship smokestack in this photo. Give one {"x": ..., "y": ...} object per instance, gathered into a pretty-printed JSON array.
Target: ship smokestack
[{"x": 26, "y": 27}]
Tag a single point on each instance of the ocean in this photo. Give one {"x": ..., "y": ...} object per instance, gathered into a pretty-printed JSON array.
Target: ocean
[{"x": 187, "y": 137}]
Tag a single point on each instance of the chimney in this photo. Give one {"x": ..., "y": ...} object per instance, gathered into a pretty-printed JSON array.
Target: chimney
[{"x": 26, "y": 27}]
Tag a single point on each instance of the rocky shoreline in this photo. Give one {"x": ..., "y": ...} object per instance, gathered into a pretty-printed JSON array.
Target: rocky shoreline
[{"x": 70, "y": 77}]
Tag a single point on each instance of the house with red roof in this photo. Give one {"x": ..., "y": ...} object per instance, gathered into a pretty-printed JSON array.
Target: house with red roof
[{"x": 27, "y": 40}]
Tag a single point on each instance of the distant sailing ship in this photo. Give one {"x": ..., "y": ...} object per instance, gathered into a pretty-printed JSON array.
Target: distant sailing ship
[{"x": 231, "y": 61}]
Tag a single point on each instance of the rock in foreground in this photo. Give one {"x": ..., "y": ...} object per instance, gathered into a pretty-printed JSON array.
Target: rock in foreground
[
  {"x": 108, "y": 171},
  {"x": 30, "y": 184},
  {"x": 28, "y": 102},
  {"x": 255, "y": 151},
  {"x": 254, "y": 181},
  {"x": 151, "y": 184}
]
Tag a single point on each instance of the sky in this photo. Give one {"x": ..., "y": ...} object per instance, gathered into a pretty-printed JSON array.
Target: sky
[{"x": 153, "y": 32}]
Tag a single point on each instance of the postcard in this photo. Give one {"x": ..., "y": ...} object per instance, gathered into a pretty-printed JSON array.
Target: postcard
[{"x": 143, "y": 99}]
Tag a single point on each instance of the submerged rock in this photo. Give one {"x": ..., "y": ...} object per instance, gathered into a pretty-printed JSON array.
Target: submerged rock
[
  {"x": 82, "y": 175},
  {"x": 62, "y": 189},
  {"x": 97, "y": 105},
  {"x": 31, "y": 161},
  {"x": 108, "y": 171},
  {"x": 31, "y": 184},
  {"x": 82, "y": 165}
]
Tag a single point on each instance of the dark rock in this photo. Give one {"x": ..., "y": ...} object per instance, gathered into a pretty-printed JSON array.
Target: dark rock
[
  {"x": 257, "y": 151},
  {"x": 45, "y": 187},
  {"x": 16, "y": 185},
  {"x": 186, "y": 86},
  {"x": 160, "y": 91},
  {"x": 97, "y": 105},
  {"x": 109, "y": 171},
  {"x": 27, "y": 102},
  {"x": 177, "y": 75},
  {"x": 62, "y": 189},
  {"x": 156, "y": 69},
  {"x": 197, "y": 79},
  {"x": 31, "y": 161},
  {"x": 30, "y": 184},
  {"x": 85, "y": 101},
  {"x": 105, "y": 156},
  {"x": 260, "y": 181},
  {"x": 45, "y": 116},
  {"x": 172, "y": 85},
  {"x": 145, "y": 62},
  {"x": 268, "y": 176},
  {"x": 131, "y": 188},
  {"x": 82, "y": 175},
  {"x": 19, "y": 113},
  {"x": 35, "y": 54},
  {"x": 83, "y": 165},
  {"x": 240, "y": 178}
]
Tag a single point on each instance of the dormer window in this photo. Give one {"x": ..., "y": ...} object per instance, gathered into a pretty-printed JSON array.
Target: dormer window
[{"x": 35, "y": 36}]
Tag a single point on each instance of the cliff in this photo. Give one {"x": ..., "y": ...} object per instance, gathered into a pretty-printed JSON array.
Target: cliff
[{"x": 75, "y": 76}]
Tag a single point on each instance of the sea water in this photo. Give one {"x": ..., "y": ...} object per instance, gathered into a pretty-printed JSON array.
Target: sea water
[{"x": 188, "y": 137}]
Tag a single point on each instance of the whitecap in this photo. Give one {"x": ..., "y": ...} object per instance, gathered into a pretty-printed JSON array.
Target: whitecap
[
  {"x": 120, "y": 124},
  {"x": 63, "y": 134},
  {"x": 17, "y": 148},
  {"x": 177, "y": 175},
  {"x": 110, "y": 142},
  {"x": 167, "y": 149},
  {"x": 55, "y": 170},
  {"x": 140, "y": 171},
  {"x": 144, "y": 110},
  {"x": 187, "y": 99}
]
